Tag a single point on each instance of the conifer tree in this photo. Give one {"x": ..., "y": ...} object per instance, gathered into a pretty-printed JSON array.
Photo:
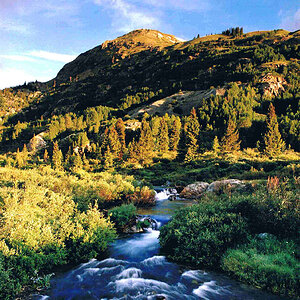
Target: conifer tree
[
  {"x": 230, "y": 141},
  {"x": 108, "y": 159},
  {"x": 174, "y": 134},
  {"x": 133, "y": 152},
  {"x": 77, "y": 162},
  {"x": 191, "y": 130},
  {"x": 155, "y": 124},
  {"x": 163, "y": 136},
  {"x": 272, "y": 139},
  {"x": 216, "y": 146},
  {"x": 145, "y": 144},
  {"x": 57, "y": 157},
  {"x": 25, "y": 154},
  {"x": 114, "y": 143},
  {"x": 85, "y": 162},
  {"x": 46, "y": 156},
  {"x": 120, "y": 128},
  {"x": 19, "y": 159}
]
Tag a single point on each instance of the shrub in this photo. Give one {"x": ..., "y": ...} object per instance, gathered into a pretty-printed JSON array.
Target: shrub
[
  {"x": 122, "y": 215},
  {"x": 200, "y": 234},
  {"x": 142, "y": 196},
  {"x": 267, "y": 263},
  {"x": 41, "y": 227}
]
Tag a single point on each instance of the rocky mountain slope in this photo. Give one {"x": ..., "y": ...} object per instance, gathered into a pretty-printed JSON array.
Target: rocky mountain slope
[{"x": 147, "y": 65}]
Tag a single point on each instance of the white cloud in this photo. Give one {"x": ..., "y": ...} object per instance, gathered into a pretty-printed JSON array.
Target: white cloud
[
  {"x": 11, "y": 77},
  {"x": 127, "y": 16},
  {"x": 290, "y": 22},
  {"x": 21, "y": 58},
  {"x": 34, "y": 55},
  {"x": 65, "y": 58}
]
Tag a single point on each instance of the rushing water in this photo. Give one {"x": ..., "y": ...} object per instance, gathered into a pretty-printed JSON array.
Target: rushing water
[{"x": 135, "y": 270}]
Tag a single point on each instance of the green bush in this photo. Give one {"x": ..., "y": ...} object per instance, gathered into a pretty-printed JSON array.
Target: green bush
[
  {"x": 122, "y": 215},
  {"x": 200, "y": 234},
  {"x": 41, "y": 228},
  {"x": 267, "y": 263}
]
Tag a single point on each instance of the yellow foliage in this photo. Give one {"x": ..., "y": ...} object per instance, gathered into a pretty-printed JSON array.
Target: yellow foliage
[{"x": 36, "y": 208}]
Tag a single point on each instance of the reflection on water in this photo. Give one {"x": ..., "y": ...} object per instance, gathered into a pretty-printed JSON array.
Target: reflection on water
[{"x": 135, "y": 270}]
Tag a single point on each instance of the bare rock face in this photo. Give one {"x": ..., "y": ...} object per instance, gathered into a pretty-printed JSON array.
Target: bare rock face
[
  {"x": 271, "y": 85},
  {"x": 232, "y": 184},
  {"x": 37, "y": 143},
  {"x": 194, "y": 190}
]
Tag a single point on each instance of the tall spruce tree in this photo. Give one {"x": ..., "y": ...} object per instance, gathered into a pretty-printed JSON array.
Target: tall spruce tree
[
  {"x": 114, "y": 142},
  {"x": 230, "y": 141},
  {"x": 216, "y": 146},
  {"x": 57, "y": 157},
  {"x": 163, "y": 136},
  {"x": 272, "y": 139},
  {"x": 174, "y": 133},
  {"x": 108, "y": 159},
  {"x": 191, "y": 131},
  {"x": 120, "y": 128},
  {"x": 146, "y": 143}
]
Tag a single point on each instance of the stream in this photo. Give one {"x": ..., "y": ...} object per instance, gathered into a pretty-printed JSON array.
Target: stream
[{"x": 136, "y": 270}]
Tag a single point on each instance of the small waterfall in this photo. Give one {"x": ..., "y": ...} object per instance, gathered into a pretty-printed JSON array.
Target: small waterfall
[{"x": 165, "y": 194}]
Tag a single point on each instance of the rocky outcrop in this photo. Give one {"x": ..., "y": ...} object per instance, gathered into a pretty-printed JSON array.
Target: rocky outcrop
[
  {"x": 194, "y": 190},
  {"x": 271, "y": 85},
  {"x": 140, "y": 224},
  {"x": 37, "y": 143},
  {"x": 197, "y": 189},
  {"x": 221, "y": 185}
]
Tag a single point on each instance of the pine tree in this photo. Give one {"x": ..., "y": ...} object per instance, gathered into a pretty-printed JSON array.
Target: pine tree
[
  {"x": 114, "y": 142},
  {"x": 57, "y": 157},
  {"x": 146, "y": 143},
  {"x": 273, "y": 141},
  {"x": 120, "y": 128},
  {"x": 85, "y": 162},
  {"x": 230, "y": 141},
  {"x": 191, "y": 130},
  {"x": 108, "y": 159},
  {"x": 19, "y": 159},
  {"x": 25, "y": 154},
  {"x": 163, "y": 136},
  {"x": 77, "y": 162},
  {"x": 174, "y": 134},
  {"x": 46, "y": 156},
  {"x": 216, "y": 146}
]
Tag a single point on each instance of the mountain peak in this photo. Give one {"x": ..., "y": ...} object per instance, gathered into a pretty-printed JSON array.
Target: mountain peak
[{"x": 142, "y": 39}]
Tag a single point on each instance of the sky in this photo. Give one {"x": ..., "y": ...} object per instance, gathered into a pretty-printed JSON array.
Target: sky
[{"x": 39, "y": 36}]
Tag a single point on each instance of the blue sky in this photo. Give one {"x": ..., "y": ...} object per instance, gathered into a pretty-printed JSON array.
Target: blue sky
[{"x": 39, "y": 36}]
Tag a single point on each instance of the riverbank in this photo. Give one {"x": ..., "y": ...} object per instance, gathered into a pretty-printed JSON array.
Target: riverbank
[
  {"x": 135, "y": 269},
  {"x": 252, "y": 236}
]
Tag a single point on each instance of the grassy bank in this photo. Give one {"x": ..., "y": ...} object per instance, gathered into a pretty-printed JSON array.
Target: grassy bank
[
  {"x": 221, "y": 232},
  {"x": 248, "y": 164}
]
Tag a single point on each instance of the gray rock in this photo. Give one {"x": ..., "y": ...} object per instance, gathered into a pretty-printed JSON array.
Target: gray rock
[
  {"x": 232, "y": 184},
  {"x": 194, "y": 190}
]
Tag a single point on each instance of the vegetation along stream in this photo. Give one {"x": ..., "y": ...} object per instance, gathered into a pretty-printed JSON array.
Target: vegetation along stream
[{"x": 136, "y": 270}]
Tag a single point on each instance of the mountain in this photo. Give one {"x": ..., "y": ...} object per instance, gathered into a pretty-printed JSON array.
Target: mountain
[
  {"x": 149, "y": 69},
  {"x": 146, "y": 64}
]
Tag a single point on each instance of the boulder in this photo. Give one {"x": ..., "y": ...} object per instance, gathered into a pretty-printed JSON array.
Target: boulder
[
  {"x": 220, "y": 185},
  {"x": 37, "y": 143},
  {"x": 194, "y": 190}
]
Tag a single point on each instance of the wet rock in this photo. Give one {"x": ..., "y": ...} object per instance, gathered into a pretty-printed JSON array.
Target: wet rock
[
  {"x": 221, "y": 185},
  {"x": 195, "y": 190}
]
